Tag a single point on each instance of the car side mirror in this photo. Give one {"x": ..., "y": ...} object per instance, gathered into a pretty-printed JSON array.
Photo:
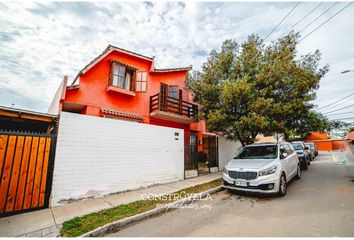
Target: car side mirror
[{"x": 284, "y": 155}]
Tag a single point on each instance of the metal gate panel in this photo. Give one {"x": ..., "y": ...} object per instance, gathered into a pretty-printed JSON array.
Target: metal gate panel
[
  {"x": 213, "y": 151},
  {"x": 26, "y": 165}
]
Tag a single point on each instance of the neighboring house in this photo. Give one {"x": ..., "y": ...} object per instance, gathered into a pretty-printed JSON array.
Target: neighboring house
[
  {"x": 260, "y": 138},
  {"x": 124, "y": 85},
  {"x": 350, "y": 135},
  {"x": 21, "y": 120},
  {"x": 325, "y": 143}
]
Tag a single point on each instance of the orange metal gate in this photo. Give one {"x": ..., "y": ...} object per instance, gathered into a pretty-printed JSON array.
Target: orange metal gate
[{"x": 26, "y": 165}]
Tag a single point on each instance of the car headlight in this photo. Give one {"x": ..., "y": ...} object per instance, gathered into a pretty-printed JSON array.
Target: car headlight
[
  {"x": 225, "y": 171},
  {"x": 268, "y": 171}
]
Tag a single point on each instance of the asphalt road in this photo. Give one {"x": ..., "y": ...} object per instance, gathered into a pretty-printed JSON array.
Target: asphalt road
[{"x": 320, "y": 204}]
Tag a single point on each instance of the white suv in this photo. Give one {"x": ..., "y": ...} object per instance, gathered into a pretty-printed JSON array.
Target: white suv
[{"x": 263, "y": 168}]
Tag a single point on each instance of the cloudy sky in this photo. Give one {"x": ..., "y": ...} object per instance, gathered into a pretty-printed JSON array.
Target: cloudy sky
[{"x": 41, "y": 42}]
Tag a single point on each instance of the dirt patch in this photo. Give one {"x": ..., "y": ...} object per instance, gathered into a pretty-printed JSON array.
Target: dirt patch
[
  {"x": 263, "y": 200},
  {"x": 307, "y": 189},
  {"x": 226, "y": 198},
  {"x": 346, "y": 191}
]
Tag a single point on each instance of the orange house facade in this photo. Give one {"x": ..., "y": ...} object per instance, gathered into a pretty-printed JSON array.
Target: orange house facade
[{"x": 125, "y": 85}]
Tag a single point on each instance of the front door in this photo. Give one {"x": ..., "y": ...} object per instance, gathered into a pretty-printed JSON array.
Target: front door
[
  {"x": 192, "y": 160},
  {"x": 209, "y": 154}
]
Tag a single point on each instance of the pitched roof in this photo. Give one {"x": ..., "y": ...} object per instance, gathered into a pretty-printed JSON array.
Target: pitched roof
[
  {"x": 157, "y": 70},
  {"x": 26, "y": 114},
  {"x": 108, "y": 50},
  {"x": 124, "y": 64}
]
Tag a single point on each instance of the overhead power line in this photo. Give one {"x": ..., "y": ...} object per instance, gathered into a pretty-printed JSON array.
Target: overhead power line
[
  {"x": 326, "y": 21},
  {"x": 318, "y": 17},
  {"x": 344, "y": 118},
  {"x": 336, "y": 101},
  {"x": 311, "y": 11},
  {"x": 282, "y": 20},
  {"x": 339, "y": 109},
  {"x": 335, "y": 114}
]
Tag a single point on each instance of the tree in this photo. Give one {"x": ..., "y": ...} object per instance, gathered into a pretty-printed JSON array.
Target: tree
[
  {"x": 312, "y": 122},
  {"x": 251, "y": 88},
  {"x": 340, "y": 127}
]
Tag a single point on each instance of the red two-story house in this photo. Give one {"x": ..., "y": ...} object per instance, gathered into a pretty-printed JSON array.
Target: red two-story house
[{"x": 125, "y": 85}]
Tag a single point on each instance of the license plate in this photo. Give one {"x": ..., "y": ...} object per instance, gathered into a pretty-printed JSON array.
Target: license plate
[{"x": 241, "y": 183}]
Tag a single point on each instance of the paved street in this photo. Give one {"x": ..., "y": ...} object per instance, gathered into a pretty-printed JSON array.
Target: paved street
[{"x": 320, "y": 204}]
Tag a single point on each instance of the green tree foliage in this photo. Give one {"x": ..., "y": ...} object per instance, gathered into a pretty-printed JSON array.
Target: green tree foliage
[
  {"x": 252, "y": 88},
  {"x": 341, "y": 126}
]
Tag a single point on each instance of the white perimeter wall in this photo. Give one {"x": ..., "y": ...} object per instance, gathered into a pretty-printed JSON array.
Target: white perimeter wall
[
  {"x": 227, "y": 150},
  {"x": 96, "y": 156}
]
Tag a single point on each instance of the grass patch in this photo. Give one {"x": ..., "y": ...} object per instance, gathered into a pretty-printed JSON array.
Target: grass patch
[{"x": 80, "y": 225}]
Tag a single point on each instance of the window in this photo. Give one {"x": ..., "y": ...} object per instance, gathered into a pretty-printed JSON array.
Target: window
[
  {"x": 282, "y": 149},
  {"x": 141, "y": 81},
  {"x": 258, "y": 152},
  {"x": 121, "y": 77},
  {"x": 288, "y": 149},
  {"x": 297, "y": 146},
  {"x": 173, "y": 91}
]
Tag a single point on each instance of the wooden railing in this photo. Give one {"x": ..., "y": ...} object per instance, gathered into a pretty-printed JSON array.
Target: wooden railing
[{"x": 173, "y": 105}]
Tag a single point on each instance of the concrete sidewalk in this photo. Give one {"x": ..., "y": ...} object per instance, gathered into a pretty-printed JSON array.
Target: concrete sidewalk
[{"x": 46, "y": 222}]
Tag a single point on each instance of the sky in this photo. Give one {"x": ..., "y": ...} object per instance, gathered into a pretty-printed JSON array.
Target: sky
[{"x": 40, "y": 42}]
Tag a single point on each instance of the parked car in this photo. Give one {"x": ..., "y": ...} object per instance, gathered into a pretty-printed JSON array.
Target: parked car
[
  {"x": 303, "y": 153},
  {"x": 262, "y": 168},
  {"x": 312, "y": 148}
]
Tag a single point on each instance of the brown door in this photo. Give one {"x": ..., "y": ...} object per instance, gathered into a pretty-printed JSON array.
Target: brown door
[
  {"x": 192, "y": 161},
  {"x": 213, "y": 151},
  {"x": 26, "y": 168}
]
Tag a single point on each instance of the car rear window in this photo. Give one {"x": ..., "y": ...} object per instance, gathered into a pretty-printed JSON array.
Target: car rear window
[
  {"x": 297, "y": 146},
  {"x": 310, "y": 144},
  {"x": 258, "y": 152}
]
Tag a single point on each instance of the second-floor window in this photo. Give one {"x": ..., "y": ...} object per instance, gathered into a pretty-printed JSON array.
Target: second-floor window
[
  {"x": 122, "y": 76},
  {"x": 141, "y": 81},
  {"x": 173, "y": 91}
]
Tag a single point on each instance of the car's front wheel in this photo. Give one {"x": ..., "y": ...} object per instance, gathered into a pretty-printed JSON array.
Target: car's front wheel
[
  {"x": 282, "y": 185},
  {"x": 304, "y": 164},
  {"x": 298, "y": 172}
]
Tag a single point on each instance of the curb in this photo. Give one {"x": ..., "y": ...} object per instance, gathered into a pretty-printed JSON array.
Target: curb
[{"x": 117, "y": 225}]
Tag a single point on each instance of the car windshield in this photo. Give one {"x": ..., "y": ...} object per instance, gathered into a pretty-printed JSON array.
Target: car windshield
[
  {"x": 309, "y": 145},
  {"x": 257, "y": 152},
  {"x": 297, "y": 146}
]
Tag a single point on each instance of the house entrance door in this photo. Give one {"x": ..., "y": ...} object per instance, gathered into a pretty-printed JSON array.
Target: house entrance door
[
  {"x": 192, "y": 159},
  {"x": 209, "y": 153}
]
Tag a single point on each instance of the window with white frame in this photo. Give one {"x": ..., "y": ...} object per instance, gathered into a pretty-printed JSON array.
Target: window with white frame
[
  {"x": 122, "y": 77},
  {"x": 141, "y": 82}
]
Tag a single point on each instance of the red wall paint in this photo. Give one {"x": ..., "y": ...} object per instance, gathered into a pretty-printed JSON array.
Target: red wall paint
[
  {"x": 93, "y": 93},
  {"x": 350, "y": 135},
  {"x": 339, "y": 144}
]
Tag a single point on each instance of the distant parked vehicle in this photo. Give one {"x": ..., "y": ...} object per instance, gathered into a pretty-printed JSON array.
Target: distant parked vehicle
[
  {"x": 313, "y": 149},
  {"x": 303, "y": 153},
  {"x": 262, "y": 168}
]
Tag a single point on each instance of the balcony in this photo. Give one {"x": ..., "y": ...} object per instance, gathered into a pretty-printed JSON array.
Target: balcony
[{"x": 173, "y": 109}]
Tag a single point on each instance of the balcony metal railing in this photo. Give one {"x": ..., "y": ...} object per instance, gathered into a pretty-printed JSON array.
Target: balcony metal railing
[{"x": 173, "y": 105}]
